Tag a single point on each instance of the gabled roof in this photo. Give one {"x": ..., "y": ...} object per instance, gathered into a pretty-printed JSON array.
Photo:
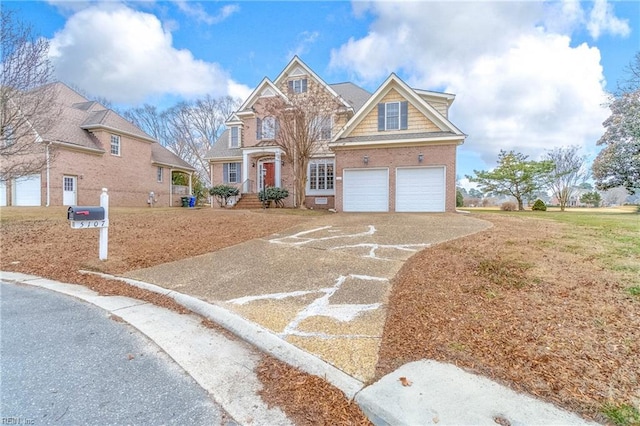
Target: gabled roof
[
  {"x": 296, "y": 62},
  {"x": 265, "y": 86},
  {"x": 395, "y": 82},
  {"x": 78, "y": 115}
]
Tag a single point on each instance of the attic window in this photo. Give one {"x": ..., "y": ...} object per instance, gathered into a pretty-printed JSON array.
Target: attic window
[
  {"x": 115, "y": 145},
  {"x": 298, "y": 86},
  {"x": 393, "y": 115}
]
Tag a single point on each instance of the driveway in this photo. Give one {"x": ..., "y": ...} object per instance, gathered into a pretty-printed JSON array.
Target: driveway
[{"x": 321, "y": 286}]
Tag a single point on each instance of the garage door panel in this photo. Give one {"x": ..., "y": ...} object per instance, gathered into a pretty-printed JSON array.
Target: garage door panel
[
  {"x": 420, "y": 189},
  {"x": 366, "y": 190},
  {"x": 27, "y": 191}
]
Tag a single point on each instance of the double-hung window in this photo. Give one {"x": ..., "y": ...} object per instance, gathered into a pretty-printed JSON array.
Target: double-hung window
[
  {"x": 323, "y": 126},
  {"x": 266, "y": 128},
  {"x": 393, "y": 115},
  {"x": 321, "y": 175},
  {"x": 234, "y": 141},
  {"x": 232, "y": 172},
  {"x": 115, "y": 145},
  {"x": 298, "y": 86},
  {"x": 159, "y": 174}
]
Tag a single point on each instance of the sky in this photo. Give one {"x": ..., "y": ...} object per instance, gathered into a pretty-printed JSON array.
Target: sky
[{"x": 528, "y": 75}]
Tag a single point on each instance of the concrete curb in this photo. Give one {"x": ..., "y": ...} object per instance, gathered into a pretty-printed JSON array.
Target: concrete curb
[{"x": 256, "y": 335}]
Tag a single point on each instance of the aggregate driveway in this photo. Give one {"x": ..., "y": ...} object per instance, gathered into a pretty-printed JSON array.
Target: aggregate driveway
[{"x": 321, "y": 286}]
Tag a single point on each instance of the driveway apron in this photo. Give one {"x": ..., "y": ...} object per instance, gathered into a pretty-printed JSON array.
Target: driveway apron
[{"x": 322, "y": 286}]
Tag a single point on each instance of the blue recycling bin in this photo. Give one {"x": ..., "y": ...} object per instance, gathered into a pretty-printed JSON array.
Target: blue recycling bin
[{"x": 192, "y": 202}]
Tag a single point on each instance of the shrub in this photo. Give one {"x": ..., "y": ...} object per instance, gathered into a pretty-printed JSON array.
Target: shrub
[
  {"x": 222, "y": 193},
  {"x": 509, "y": 206},
  {"x": 272, "y": 193},
  {"x": 539, "y": 205}
]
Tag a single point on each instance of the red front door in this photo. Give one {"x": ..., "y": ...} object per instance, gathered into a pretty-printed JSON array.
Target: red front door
[{"x": 269, "y": 170}]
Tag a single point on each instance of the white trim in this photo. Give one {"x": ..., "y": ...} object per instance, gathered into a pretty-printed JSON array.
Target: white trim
[
  {"x": 257, "y": 93},
  {"x": 394, "y": 82},
  {"x": 398, "y": 143}
]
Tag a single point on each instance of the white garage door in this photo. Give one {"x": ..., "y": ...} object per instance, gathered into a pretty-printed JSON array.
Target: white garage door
[
  {"x": 420, "y": 189},
  {"x": 365, "y": 190},
  {"x": 3, "y": 193},
  {"x": 27, "y": 191}
]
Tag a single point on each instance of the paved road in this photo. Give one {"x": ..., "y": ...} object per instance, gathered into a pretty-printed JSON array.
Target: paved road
[{"x": 63, "y": 361}]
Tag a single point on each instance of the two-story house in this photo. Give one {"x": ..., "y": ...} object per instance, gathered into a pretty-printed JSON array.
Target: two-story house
[
  {"x": 91, "y": 147},
  {"x": 393, "y": 150}
]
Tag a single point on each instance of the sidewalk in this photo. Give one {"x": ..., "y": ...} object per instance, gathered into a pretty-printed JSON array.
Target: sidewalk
[{"x": 437, "y": 393}]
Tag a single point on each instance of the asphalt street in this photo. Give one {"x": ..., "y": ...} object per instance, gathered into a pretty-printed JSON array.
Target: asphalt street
[{"x": 64, "y": 361}]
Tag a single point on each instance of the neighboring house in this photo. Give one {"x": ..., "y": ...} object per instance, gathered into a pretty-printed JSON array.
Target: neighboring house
[
  {"x": 393, "y": 150},
  {"x": 93, "y": 148}
]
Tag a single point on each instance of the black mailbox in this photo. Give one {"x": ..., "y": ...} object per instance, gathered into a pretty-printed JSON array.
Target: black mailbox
[{"x": 76, "y": 213}]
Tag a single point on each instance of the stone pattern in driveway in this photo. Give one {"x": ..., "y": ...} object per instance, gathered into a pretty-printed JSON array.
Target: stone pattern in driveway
[{"x": 323, "y": 285}]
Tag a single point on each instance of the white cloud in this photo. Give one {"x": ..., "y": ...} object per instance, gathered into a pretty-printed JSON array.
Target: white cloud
[
  {"x": 305, "y": 40},
  {"x": 126, "y": 56},
  {"x": 519, "y": 84},
  {"x": 603, "y": 20},
  {"x": 197, "y": 11}
]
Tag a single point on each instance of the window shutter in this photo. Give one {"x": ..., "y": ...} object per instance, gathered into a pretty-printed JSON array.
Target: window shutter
[
  {"x": 225, "y": 173},
  {"x": 290, "y": 83},
  {"x": 404, "y": 115},
  {"x": 258, "y": 128},
  {"x": 239, "y": 169},
  {"x": 276, "y": 128},
  {"x": 304, "y": 85},
  {"x": 381, "y": 111}
]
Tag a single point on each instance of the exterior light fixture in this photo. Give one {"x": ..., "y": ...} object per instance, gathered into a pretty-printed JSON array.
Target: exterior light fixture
[
  {"x": 420, "y": 158},
  {"x": 253, "y": 164},
  {"x": 365, "y": 159}
]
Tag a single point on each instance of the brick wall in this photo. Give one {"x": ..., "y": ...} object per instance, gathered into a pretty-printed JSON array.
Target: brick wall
[{"x": 392, "y": 157}]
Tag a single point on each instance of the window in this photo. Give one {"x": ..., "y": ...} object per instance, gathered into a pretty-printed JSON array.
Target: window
[
  {"x": 298, "y": 86},
  {"x": 393, "y": 115},
  {"x": 266, "y": 128},
  {"x": 160, "y": 173},
  {"x": 323, "y": 126},
  {"x": 68, "y": 183},
  {"x": 8, "y": 135},
  {"x": 231, "y": 172},
  {"x": 321, "y": 175},
  {"x": 235, "y": 137},
  {"x": 115, "y": 145}
]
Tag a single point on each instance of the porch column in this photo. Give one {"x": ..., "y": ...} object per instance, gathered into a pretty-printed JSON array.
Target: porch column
[
  {"x": 190, "y": 187},
  {"x": 278, "y": 168},
  {"x": 245, "y": 172}
]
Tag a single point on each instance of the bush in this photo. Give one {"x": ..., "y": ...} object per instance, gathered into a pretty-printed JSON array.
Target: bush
[
  {"x": 539, "y": 205},
  {"x": 272, "y": 193},
  {"x": 509, "y": 206},
  {"x": 222, "y": 193}
]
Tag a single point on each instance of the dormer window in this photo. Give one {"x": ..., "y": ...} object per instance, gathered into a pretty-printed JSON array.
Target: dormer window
[
  {"x": 393, "y": 115},
  {"x": 234, "y": 137},
  {"x": 298, "y": 86}
]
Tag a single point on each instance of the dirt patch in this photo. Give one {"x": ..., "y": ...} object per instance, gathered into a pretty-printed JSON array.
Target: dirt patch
[{"x": 529, "y": 303}]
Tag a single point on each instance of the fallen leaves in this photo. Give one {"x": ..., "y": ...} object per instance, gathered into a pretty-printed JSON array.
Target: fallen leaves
[{"x": 405, "y": 382}]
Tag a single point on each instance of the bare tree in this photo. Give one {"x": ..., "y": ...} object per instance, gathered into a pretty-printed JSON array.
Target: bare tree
[
  {"x": 28, "y": 107},
  {"x": 188, "y": 129},
  {"x": 303, "y": 122},
  {"x": 569, "y": 171}
]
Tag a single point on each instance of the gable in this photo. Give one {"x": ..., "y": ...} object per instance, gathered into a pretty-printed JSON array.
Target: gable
[
  {"x": 421, "y": 116},
  {"x": 265, "y": 89}
]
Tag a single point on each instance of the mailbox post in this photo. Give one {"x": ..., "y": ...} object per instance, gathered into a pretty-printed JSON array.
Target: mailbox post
[{"x": 86, "y": 217}]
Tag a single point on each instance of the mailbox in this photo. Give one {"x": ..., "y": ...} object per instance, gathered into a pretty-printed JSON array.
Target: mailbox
[{"x": 78, "y": 213}]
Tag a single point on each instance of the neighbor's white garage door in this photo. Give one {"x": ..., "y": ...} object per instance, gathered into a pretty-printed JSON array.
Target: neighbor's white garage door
[
  {"x": 3, "y": 193},
  {"x": 27, "y": 191},
  {"x": 420, "y": 189},
  {"x": 365, "y": 190}
]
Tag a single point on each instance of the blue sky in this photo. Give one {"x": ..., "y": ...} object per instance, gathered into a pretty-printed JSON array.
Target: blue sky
[{"x": 528, "y": 75}]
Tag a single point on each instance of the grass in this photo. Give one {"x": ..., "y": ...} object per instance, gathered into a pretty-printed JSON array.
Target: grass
[{"x": 622, "y": 415}]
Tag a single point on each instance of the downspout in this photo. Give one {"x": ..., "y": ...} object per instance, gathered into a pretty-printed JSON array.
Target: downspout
[
  {"x": 170, "y": 187},
  {"x": 48, "y": 157}
]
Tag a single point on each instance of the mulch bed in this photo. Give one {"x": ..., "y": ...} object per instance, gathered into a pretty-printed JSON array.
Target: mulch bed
[{"x": 553, "y": 323}]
